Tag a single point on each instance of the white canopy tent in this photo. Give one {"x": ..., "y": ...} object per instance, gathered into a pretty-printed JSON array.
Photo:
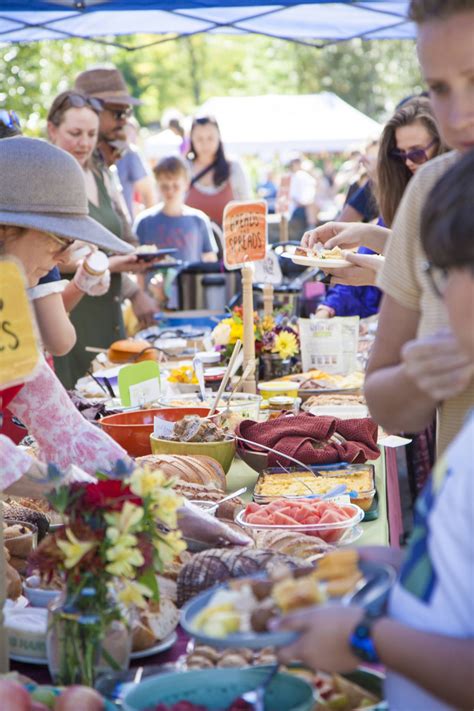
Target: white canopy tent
[{"x": 273, "y": 123}]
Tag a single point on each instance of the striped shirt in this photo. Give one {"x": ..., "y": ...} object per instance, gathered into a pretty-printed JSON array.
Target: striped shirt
[{"x": 402, "y": 277}]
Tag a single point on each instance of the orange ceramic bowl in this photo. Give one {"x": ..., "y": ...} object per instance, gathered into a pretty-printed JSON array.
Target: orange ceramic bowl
[{"x": 132, "y": 430}]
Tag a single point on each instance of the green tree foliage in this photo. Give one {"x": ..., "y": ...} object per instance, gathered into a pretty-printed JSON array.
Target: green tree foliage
[{"x": 182, "y": 74}]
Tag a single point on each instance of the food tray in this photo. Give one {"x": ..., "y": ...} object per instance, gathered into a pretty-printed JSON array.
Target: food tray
[
  {"x": 332, "y": 475},
  {"x": 317, "y": 262}
]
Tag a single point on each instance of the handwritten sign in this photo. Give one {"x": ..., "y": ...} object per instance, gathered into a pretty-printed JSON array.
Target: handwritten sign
[
  {"x": 19, "y": 352},
  {"x": 245, "y": 233},
  {"x": 268, "y": 270}
]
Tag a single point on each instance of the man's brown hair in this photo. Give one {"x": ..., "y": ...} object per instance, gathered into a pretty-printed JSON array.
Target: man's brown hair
[
  {"x": 423, "y": 10},
  {"x": 172, "y": 165}
]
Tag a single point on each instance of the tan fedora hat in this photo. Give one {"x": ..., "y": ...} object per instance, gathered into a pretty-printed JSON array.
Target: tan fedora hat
[
  {"x": 108, "y": 85},
  {"x": 42, "y": 187}
]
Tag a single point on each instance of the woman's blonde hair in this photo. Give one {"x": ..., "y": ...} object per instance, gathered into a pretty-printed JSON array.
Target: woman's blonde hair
[{"x": 392, "y": 173}]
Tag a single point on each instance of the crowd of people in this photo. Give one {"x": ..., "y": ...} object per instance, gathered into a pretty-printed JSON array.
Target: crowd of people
[{"x": 411, "y": 219}]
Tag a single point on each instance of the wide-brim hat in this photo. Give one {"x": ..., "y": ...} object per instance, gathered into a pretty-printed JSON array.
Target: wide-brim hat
[
  {"x": 108, "y": 85},
  {"x": 42, "y": 187}
]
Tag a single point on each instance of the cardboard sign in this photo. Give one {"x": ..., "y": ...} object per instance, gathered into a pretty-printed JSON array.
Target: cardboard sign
[
  {"x": 139, "y": 384},
  {"x": 19, "y": 352},
  {"x": 245, "y": 233},
  {"x": 268, "y": 270}
]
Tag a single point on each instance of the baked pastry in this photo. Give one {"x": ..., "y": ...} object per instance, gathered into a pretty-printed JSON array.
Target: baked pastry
[
  {"x": 13, "y": 580},
  {"x": 19, "y": 539},
  {"x": 218, "y": 565},
  {"x": 128, "y": 351},
  {"x": 155, "y": 623},
  {"x": 196, "y": 469}
]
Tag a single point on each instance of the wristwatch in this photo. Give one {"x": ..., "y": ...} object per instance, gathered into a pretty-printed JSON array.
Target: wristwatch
[{"x": 361, "y": 641}]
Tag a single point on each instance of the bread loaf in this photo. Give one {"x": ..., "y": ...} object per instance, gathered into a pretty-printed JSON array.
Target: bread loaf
[
  {"x": 14, "y": 511},
  {"x": 196, "y": 469},
  {"x": 218, "y": 565},
  {"x": 291, "y": 543},
  {"x": 128, "y": 351}
]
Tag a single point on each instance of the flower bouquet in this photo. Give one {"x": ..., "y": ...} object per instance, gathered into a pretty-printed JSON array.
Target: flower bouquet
[
  {"x": 276, "y": 340},
  {"x": 118, "y": 533}
]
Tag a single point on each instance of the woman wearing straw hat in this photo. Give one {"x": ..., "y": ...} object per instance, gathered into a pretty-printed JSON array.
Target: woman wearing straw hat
[{"x": 43, "y": 209}]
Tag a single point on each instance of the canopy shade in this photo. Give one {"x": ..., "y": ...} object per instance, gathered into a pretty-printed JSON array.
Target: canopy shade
[
  {"x": 30, "y": 20},
  {"x": 280, "y": 123}
]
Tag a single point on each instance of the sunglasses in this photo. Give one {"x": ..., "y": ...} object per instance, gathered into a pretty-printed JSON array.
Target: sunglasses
[
  {"x": 65, "y": 243},
  {"x": 438, "y": 278},
  {"x": 417, "y": 155},
  {"x": 9, "y": 119},
  {"x": 119, "y": 114},
  {"x": 78, "y": 101}
]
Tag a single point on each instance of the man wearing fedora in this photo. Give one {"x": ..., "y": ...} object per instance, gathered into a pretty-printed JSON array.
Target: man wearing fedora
[{"x": 109, "y": 87}]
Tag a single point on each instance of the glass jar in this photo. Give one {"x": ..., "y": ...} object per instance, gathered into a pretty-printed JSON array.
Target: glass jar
[
  {"x": 83, "y": 640},
  {"x": 274, "y": 366}
]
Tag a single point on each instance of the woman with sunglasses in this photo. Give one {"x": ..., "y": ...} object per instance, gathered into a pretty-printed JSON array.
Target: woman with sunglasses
[
  {"x": 40, "y": 218},
  {"x": 73, "y": 125},
  {"x": 410, "y": 138},
  {"x": 215, "y": 180}
]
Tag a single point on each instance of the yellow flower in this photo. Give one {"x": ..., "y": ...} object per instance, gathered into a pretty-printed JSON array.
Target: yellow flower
[
  {"x": 129, "y": 517},
  {"x": 146, "y": 482},
  {"x": 134, "y": 593},
  {"x": 268, "y": 324},
  {"x": 166, "y": 505},
  {"x": 184, "y": 374},
  {"x": 236, "y": 332},
  {"x": 170, "y": 545},
  {"x": 75, "y": 549},
  {"x": 123, "y": 556},
  {"x": 221, "y": 333},
  {"x": 286, "y": 345}
]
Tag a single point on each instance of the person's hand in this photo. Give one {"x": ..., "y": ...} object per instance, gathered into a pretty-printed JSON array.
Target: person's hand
[
  {"x": 93, "y": 286},
  {"x": 324, "y": 312},
  {"x": 144, "y": 308},
  {"x": 363, "y": 273},
  {"x": 437, "y": 365},
  {"x": 131, "y": 263},
  {"x": 346, "y": 235},
  {"x": 323, "y": 644},
  {"x": 382, "y": 555}
]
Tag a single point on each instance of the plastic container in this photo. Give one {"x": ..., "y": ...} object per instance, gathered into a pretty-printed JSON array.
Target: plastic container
[
  {"x": 216, "y": 689},
  {"x": 247, "y": 405},
  {"x": 334, "y": 533},
  {"x": 283, "y": 388}
]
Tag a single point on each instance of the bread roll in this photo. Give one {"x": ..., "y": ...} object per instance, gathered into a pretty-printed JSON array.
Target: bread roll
[
  {"x": 13, "y": 581},
  {"x": 196, "y": 469}
]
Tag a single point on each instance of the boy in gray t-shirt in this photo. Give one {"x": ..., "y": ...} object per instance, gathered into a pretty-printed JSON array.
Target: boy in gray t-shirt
[{"x": 174, "y": 224}]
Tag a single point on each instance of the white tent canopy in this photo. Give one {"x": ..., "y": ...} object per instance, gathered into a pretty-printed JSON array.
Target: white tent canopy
[{"x": 273, "y": 123}]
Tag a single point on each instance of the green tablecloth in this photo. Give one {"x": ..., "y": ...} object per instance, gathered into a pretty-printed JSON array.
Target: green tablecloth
[{"x": 374, "y": 532}]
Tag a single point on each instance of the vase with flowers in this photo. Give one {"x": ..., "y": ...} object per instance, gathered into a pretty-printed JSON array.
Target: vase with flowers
[
  {"x": 118, "y": 533},
  {"x": 276, "y": 341}
]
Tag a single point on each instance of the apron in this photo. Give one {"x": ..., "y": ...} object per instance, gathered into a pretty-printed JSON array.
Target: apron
[
  {"x": 212, "y": 205},
  {"x": 97, "y": 319}
]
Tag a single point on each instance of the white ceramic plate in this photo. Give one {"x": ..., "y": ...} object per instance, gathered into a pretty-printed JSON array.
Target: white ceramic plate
[
  {"x": 315, "y": 262},
  {"x": 157, "y": 648},
  {"x": 27, "y": 660}
]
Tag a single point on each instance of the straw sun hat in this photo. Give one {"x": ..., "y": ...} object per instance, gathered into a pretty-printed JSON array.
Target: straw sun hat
[
  {"x": 42, "y": 187},
  {"x": 108, "y": 85}
]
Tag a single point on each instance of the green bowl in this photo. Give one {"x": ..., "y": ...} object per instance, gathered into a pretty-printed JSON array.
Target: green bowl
[
  {"x": 217, "y": 688},
  {"x": 223, "y": 452}
]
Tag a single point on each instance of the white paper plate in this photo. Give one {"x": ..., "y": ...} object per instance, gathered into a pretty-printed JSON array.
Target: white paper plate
[
  {"x": 157, "y": 648},
  {"x": 28, "y": 660},
  {"x": 315, "y": 262}
]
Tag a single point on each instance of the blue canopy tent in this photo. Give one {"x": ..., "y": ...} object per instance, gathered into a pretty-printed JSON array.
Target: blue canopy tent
[{"x": 315, "y": 23}]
